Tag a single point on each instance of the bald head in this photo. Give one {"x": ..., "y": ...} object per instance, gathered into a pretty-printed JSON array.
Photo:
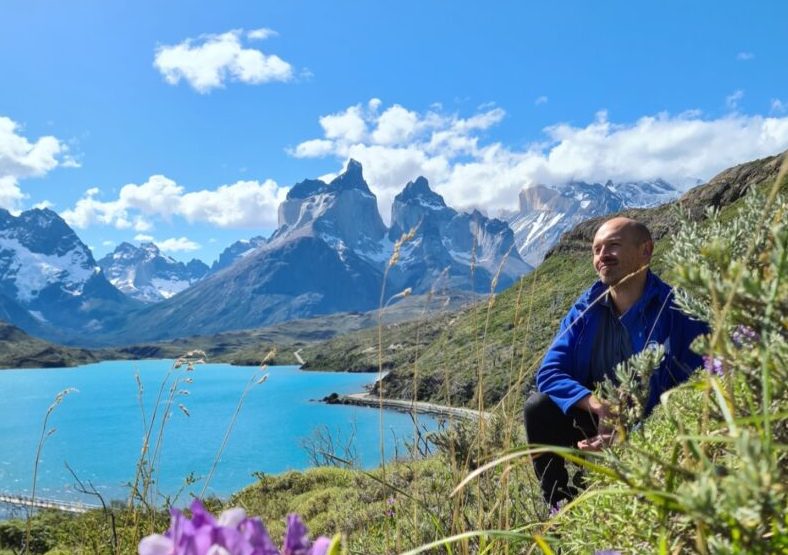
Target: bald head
[
  {"x": 621, "y": 246},
  {"x": 628, "y": 228}
]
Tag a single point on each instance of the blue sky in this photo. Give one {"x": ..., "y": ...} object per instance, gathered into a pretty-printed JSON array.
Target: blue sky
[{"x": 187, "y": 121}]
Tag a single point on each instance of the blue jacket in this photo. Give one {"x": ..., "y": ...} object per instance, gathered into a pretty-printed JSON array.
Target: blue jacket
[{"x": 565, "y": 374}]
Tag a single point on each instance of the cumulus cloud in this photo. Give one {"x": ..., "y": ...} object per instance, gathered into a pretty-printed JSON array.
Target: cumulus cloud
[
  {"x": 20, "y": 159},
  {"x": 395, "y": 145},
  {"x": 173, "y": 244},
  {"x": 346, "y": 126},
  {"x": 210, "y": 61},
  {"x": 242, "y": 204},
  {"x": 178, "y": 244},
  {"x": 778, "y": 106},
  {"x": 745, "y": 56}
]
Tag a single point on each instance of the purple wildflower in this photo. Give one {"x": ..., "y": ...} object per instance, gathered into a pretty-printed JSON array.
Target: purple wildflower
[
  {"x": 232, "y": 534},
  {"x": 391, "y": 511},
  {"x": 608, "y": 552},
  {"x": 556, "y": 507},
  {"x": 713, "y": 365},
  {"x": 296, "y": 537},
  {"x": 744, "y": 336}
]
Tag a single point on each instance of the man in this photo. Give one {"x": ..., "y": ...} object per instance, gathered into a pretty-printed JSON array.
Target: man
[{"x": 627, "y": 309}]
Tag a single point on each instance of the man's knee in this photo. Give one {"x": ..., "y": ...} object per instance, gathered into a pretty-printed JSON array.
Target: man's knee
[{"x": 539, "y": 410}]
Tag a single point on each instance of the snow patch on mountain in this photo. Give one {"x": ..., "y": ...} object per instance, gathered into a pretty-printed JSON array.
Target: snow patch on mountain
[{"x": 33, "y": 271}]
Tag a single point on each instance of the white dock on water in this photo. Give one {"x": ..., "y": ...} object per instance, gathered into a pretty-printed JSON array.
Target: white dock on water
[{"x": 41, "y": 503}]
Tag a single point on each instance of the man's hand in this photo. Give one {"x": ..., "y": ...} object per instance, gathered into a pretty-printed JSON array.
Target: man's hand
[{"x": 605, "y": 433}]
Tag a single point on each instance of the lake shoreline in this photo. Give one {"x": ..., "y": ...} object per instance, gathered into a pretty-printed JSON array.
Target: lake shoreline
[{"x": 403, "y": 405}]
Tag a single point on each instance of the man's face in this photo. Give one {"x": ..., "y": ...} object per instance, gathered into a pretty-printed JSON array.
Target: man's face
[{"x": 617, "y": 252}]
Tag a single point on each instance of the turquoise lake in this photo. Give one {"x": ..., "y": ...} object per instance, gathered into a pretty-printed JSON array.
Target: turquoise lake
[{"x": 99, "y": 428}]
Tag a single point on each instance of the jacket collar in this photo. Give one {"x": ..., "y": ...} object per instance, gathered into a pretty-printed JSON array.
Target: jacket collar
[{"x": 654, "y": 290}]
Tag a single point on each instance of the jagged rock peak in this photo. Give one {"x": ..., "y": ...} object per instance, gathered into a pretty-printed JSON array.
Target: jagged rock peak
[
  {"x": 351, "y": 178},
  {"x": 419, "y": 190}
]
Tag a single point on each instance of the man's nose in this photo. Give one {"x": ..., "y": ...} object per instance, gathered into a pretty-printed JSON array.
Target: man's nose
[{"x": 605, "y": 252}]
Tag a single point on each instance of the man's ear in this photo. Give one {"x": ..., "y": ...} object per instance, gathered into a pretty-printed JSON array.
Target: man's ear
[{"x": 648, "y": 249}]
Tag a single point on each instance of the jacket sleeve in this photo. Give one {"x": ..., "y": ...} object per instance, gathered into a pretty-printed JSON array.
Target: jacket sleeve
[{"x": 558, "y": 376}]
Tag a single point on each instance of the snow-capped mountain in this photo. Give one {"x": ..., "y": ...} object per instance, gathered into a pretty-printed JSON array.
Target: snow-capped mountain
[
  {"x": 644, "y": 194},
  {"x": 145, "y": 274},
  {"x": 547, "y": 212},
  {"x": 50, "y": 283},
  {"x": 330, "y": 253}
]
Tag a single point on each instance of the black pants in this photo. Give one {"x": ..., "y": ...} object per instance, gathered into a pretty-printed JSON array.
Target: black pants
[{"x": 546, "y": 424}]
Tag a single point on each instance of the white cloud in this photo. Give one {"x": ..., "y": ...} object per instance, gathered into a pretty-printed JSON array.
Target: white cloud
[
  {"x": 778, "y": 106},
  {"x": 313, "y": 149},
  {"x": 210, "y": 61},
  {"x": 261, "y": 34},
  {"x": 345, "y": 126},
  {"x": 541, "y": 100},
  {"x": 178, "y": 244},
  {"x": 44, "y": 204},
  {"x": 11, "y": 196},
  {"x": 471, "y": 172},
  {"x": 173, "y": 244},
  {"x": 395, "y": 126},
  {"x": 733, "y": 99},
  {"x": 20, "y": 159},
  {"x": 745, "y": 56},
  {"x": 241, "y": 204},
  {"x": 108, "y": 243}
]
